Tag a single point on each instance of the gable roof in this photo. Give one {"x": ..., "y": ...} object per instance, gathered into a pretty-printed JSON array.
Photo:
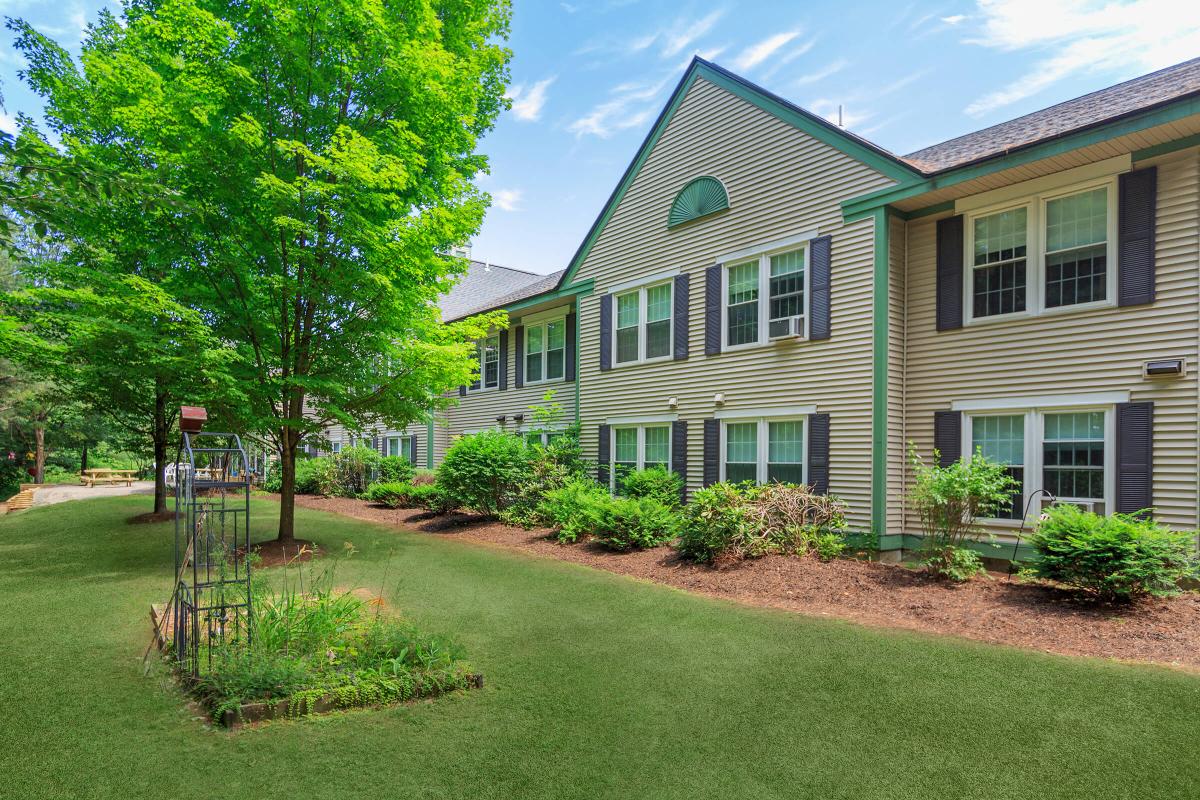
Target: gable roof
[
  {"x": 482, "y": 284},
  {"x": 496, "y": 301},
  {"x": 1103, "y": 106}
]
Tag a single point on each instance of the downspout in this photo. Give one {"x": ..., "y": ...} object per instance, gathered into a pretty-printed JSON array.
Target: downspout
[
  {"x": 904, "y": 394},
  {"x": 578, "y": 325}
]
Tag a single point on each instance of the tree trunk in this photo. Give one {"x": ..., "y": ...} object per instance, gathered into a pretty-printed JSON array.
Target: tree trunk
[
  {"x": 83, "y": 459},
  {"x": 287, "y": 487},
  {"x": 161, "y": 432},
  {"x": 39, "y": 468}
]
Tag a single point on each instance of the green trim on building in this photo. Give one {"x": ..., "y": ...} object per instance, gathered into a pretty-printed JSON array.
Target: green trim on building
[
  {"x": 913, "y": 543},
  {"x": 860, "y": 207},
  {"x": 1167, "y": 147},
  {"x": 926, "y": 211},
  {"x": 577, "y": 361},
  {"x": 879, "y": 377},
  {"x": 429, "y": 444}
]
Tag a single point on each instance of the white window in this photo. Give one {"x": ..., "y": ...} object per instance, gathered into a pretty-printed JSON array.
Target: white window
[
  {"x": 1067, "y": 452},
  {"x": 637, "y": 447},
  {"x": 487, "y": 357},
  {"x": 763, "y": 450},
  {"x": 336, "y": 447},
  {"x": 542, "y": 437},
  {"x": 643, "y": 324},
  {"x": 545, "y": 351},
  {"x": 765, "y": 297},
  {"x": 1052, "y": 251},
  {"x": 405, "y": 446}
]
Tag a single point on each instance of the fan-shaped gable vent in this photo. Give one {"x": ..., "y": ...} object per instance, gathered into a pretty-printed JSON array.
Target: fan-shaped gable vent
[{"x": 701, "y": 197}]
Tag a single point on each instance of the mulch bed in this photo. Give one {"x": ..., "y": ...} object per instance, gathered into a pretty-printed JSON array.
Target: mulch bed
[
  {"x": 996, "y": 608},
  {"x": 276, "y": 554},
  {"x": 151, "y": 517}
]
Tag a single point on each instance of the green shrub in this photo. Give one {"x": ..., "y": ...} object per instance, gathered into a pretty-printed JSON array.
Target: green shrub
[
  {"x": 1119, "y": 557},
  {"x": 626, "y": 523},
  {"x": 392, "y": 495},
  {"x": 574, "y": 509},
  {"x": 658, "y": 483},
  {"x": 484, "y": 471},
  {"x": 551, "y": 467},
  {"x": 423, "y": 477},
  {"x": 313, "y": 475},
  {"x": 273, "y": 477},
  {"x": 726, "y": 523},
  {"x": 950, "y": 499},
  {"x": 352, "y": 470},
  {"x": 395, "y": 469},
  {"x": 432, "y": 498},
  {"x": 957, "y": 564}
]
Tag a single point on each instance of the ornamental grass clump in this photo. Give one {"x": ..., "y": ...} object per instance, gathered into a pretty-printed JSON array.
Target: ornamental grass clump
[
  {"x": 949, "y": 500},
  {"x": 1120, "y": 557}
]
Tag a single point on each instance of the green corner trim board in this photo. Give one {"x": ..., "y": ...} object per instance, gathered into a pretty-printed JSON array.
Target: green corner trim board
[{"x": 879, "y": 377}]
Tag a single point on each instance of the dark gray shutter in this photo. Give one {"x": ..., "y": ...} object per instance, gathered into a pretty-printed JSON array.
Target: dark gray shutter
[
  {"x": 818, "y": 453},
  {"x": 950, "y": 268},
  {"x": 569, "y": 367},
  {"x": 519, "y": 352},
  {"x": 602, "y": 458},
  {"x": 503, "y": 360},
  {"x": 681, "y": 317},
  {"x": 606, "y": 323},
  {"x": 416, "y": 448},
  {"x": 1137, "y": 206},
  {"x": 712, "y": 310},
  {"x": 947, "y": 436},
  {"x": 712, "y": 451},
  {"x": 462, "y": 391},
  {"x": 820, "y": 268},
  {"x": 679, "y": 453},
  {"x": 1135, "y": 457}
]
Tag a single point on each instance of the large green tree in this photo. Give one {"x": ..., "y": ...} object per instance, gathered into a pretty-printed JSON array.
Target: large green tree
[{"x": 324, "y": 153}]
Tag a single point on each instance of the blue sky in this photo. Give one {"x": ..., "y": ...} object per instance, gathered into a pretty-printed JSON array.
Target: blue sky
[{"x": 589, "y": 78}]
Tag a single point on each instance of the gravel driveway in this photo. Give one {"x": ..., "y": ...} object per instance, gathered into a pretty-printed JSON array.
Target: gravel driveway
[{"x": 62, "y": 492}]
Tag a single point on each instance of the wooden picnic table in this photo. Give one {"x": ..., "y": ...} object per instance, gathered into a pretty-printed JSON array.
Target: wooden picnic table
[{"x": 90, "y": 477}]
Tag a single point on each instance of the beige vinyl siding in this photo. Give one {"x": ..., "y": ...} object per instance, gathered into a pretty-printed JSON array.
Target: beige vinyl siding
[
  {"x": 1074, "y": 352},
  {"x": 781, "y": 182},
  {"x": 897, "y": 320}
]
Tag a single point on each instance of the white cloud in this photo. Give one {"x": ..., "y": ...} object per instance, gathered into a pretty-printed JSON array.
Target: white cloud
[
  {"x": 954, "y": 19},
  {"x": 1082, "y": 36},
  {"x": 779, "y": 63},
  {"x": 8, "y": 123},
  {"x": 507, "y": 199},
  {"x": 827, "y": 108},
  {"x": 570, "y": 9},
  {"x": 632, "y": 105},
  {"x": 527, "y": 105},
  {"x": 757, "y": 53},
  {"x": 682, "y": 34},
  {"x": 822, "y": 73}
]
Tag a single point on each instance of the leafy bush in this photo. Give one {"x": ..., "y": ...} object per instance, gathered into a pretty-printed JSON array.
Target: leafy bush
[
  {"x": 423, "y": 477},
  {"x": 395, "y": 469},
  {"x": 273, "y": 477},
  {"x": 1119, "y": 557},
  {"x": 313, "y": 475},
  {"x": 432, "y": 498},
  {"x": 352, "y": 469},
  {"x": 485, "y": 471},
  {"x": 392, "y": 495},
  {"x": 658, "y": 483},
  {"x": 950, "y": 499},
  {"x": 625, "y": 523},
  {"x": 957, "y": 564},
  {"x": 727, "y": 523},
  {"x": 551, "y": 467},
  {"x": 574, "y": 508}
]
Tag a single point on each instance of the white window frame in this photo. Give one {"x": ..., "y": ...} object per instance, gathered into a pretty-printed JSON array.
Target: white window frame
[
  {"x": 763, "y": 441},
  {"x": 763, "y": 255},
  {"x": 1035, "y": 429},
  {"x": 641, "y": 290},
  {"x": 640, "y": 427},
  {"x": 335, "y": 447},
  {"x": 480, "y": 349},
  {"x": 544, "y": 324},
  {"x": 399, "y": 445},
  {"x": 1035, "y": 252}
]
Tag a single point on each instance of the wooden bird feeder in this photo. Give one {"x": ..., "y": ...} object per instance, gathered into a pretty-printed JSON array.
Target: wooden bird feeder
[{"x": 192, "y": 419}]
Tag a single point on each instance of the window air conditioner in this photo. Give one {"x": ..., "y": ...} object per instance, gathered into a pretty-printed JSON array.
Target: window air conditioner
[{"x": 787, "y": 328}]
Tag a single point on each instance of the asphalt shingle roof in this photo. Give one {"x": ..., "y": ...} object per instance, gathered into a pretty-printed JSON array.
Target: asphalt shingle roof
[
  {"x": 1105, "y": 105},
  {"x": 485, "y": 286}
]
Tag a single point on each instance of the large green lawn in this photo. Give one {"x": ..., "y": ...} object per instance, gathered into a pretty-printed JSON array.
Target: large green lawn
[{"x": 597, "y": 686}]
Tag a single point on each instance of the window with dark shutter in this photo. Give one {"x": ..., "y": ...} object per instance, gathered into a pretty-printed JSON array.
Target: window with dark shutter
[
  {"x": 606, "y": 323},
  {"x": 820, "y": 275},
  {"x": 712, "y": 310},
  {"x": 519, "y": 349},
  {"x": 679, "y": 453},
  {"x": 1135, "y": 457},
  {"x": 503, "y": 360},
  {"x": 818, "y": 453},
  {"x": 602, "y": 455},
  {"x": 947, "y": 436},
  {"x": 712, "y": 451},
  {"x": 681, "y": 317},
  {"x": 462, "y": 391},
  {"x": 950, "y": 273},
  {"x": 569, "y": 371},
  {"x": 1136, "y": 211}
]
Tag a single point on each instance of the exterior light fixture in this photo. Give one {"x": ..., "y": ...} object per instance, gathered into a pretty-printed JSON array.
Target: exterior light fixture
[
  {"x": 672, "y": 402},
  {"x": 518, "y": 418},
  {"x": 719, "y": 398},
  {"x": 1164, "y": 368},
  {"x": 501, "y": 419}
]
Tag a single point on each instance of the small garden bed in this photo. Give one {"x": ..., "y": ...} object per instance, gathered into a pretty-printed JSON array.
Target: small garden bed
[
  {"x": 993, "y": 608},
  {"x": 318, "y": 651}
]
